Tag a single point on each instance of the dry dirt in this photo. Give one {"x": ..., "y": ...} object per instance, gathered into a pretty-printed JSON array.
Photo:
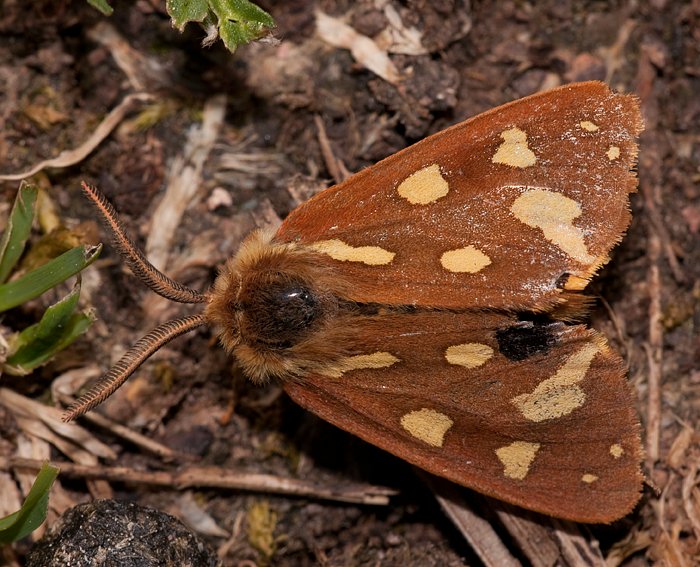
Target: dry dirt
[{"x": 58, "y": 80}]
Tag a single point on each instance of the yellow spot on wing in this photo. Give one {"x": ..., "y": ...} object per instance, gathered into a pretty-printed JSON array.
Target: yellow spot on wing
[
  {"x": 428, "y": 425},
  {"x": 375, "y": 360},
  {"x": 613, "y": 153},
  {"x": 469, "y": 355},
  {"x": 616, "y": 450},
  {"x": 554, "y": 214},
  {"x": 468, "y": 259},
  {"x": 514, "y": 151},
  {"x": 575, "y": 283},
  {"x": 517, "y": 458},
  {"x": 589, "y": 478},
  {"x": 339, "y": 250},
  {"x": 559, "y": 395},
  {"x": 588, "y": 125},
  {"x": 425, "y": 186}
]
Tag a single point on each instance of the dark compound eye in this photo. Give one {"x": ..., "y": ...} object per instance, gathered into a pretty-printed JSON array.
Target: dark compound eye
[
  {"x": 280, "y": 313},
  {"x": 295, "y": 306}
]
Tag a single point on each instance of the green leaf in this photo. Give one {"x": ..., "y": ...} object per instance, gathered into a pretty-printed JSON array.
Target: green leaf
[
  {"x": 19, "y": 225},
  {"x": 33, "y": 512},
  {"x": 38, "y": 343},
  {"x": 240, "y": 21},
  {"x": 36, "y": 282},
  {"x": 183, "y": 11},
  {"x": 102, "y": 6}
]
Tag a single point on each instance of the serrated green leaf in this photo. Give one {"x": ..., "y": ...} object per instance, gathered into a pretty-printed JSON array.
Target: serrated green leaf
[
  {"x": 102, "y": 6},
  {"x": 183, "y": 11},
  {"x": 33, "y": 511},
  {"x": 38, "y": 343},
  {"x": 240, "y": 21},
  {"x": 19, "y": 225},
  {"x": 36, "y": 282}
]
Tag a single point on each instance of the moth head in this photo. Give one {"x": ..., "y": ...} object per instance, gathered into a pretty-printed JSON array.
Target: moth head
[
  {"x": 267, "y": 300},
  {"x": 266, "y": 303}
]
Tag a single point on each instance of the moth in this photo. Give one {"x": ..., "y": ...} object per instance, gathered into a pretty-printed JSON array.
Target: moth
[{"x": 431, "y": 304}]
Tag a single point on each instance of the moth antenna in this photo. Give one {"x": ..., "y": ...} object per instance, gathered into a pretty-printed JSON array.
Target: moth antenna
[
  {"x": 132, "y": 359},
  {"x": 134, "y": 258}
]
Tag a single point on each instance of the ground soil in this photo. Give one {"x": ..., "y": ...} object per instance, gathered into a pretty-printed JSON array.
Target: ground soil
[{"x": 57, "y": 83}]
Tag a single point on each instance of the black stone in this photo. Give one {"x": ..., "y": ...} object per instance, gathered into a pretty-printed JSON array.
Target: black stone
[{"x": 111, "y": 533}]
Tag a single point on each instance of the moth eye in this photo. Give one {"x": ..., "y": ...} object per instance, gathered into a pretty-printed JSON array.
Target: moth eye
[
  {"x": 294, "y": 304},
  {"x": 280, "y": 313},
  {"x": 526, "y": 339}
]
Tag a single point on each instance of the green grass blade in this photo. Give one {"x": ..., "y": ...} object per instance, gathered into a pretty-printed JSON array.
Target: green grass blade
[
  {"x": 19, "y": 225},
  {"x": 33, "y": 511},
  {"x": 102, "y": 5},
  {"x": 37, "y": 344},
  {"x": 45, "y": 277}
]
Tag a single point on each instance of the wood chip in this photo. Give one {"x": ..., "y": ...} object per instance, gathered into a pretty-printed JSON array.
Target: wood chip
[{"x": 365, "y": 51}]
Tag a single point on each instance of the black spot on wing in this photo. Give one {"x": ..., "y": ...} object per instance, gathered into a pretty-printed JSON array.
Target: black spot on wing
[{"x": 526, "y": 339}]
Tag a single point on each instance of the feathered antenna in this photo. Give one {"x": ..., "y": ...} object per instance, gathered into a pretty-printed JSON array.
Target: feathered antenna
[{"x": 155, "y": 280}]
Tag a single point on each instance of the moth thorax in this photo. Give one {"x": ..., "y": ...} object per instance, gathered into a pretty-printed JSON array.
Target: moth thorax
[{"x": 276, "y": 310}]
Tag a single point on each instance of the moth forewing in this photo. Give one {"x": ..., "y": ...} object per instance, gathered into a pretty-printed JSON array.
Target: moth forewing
[
  {"x": 415, "y": 304},
  {"x": 506, "y": 210}
]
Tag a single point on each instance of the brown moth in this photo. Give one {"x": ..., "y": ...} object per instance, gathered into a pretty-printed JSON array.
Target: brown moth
[{"x": 430, "y": 304}]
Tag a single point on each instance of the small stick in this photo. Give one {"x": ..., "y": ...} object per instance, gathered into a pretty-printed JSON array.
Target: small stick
[{"x": 216, "y": 477}]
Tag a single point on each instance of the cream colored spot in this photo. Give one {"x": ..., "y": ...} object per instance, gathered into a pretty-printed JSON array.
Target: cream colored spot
[
  {"x": 425, "y": 186},
  {"x": 616, "y": 450},
  {"x": 613, "y": 153},
  {"x": 589, "y": 126},
  {"x": 374, "y": 360},
  {"x": 339, "y": 250},
  {"x": 469, "y": 355},
  {"x": 517, "y": 458},
  {"x": 559, "y": 395},
  {"x": 428, "y": 425},
  {"x": 575, "y": 283},
  {"x": 589, "y": 478},
  {"x": 514, "y": 151},
  {"x": 468, "y": 259},
  {"x": 554, "y": 214}
]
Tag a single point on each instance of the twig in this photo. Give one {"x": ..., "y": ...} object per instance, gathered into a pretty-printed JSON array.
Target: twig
[
  {"x": 184, "y": 181},
  {"x": 618, "y": 326},
  {"x": 70, "y": 157},
  {"x": 216, "y": 477},
  {"x": 576, "y": 548},
  {"x": 144, "y": 72},
  {"x": 652, "y": 196},
  {"x": 335, "y": 167},
  {"x": 537, "y": 541},
  {"x": 654, "y": 350},
  {"x": 475, "y": 529},
  {"x": 123, "y": 432}
]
